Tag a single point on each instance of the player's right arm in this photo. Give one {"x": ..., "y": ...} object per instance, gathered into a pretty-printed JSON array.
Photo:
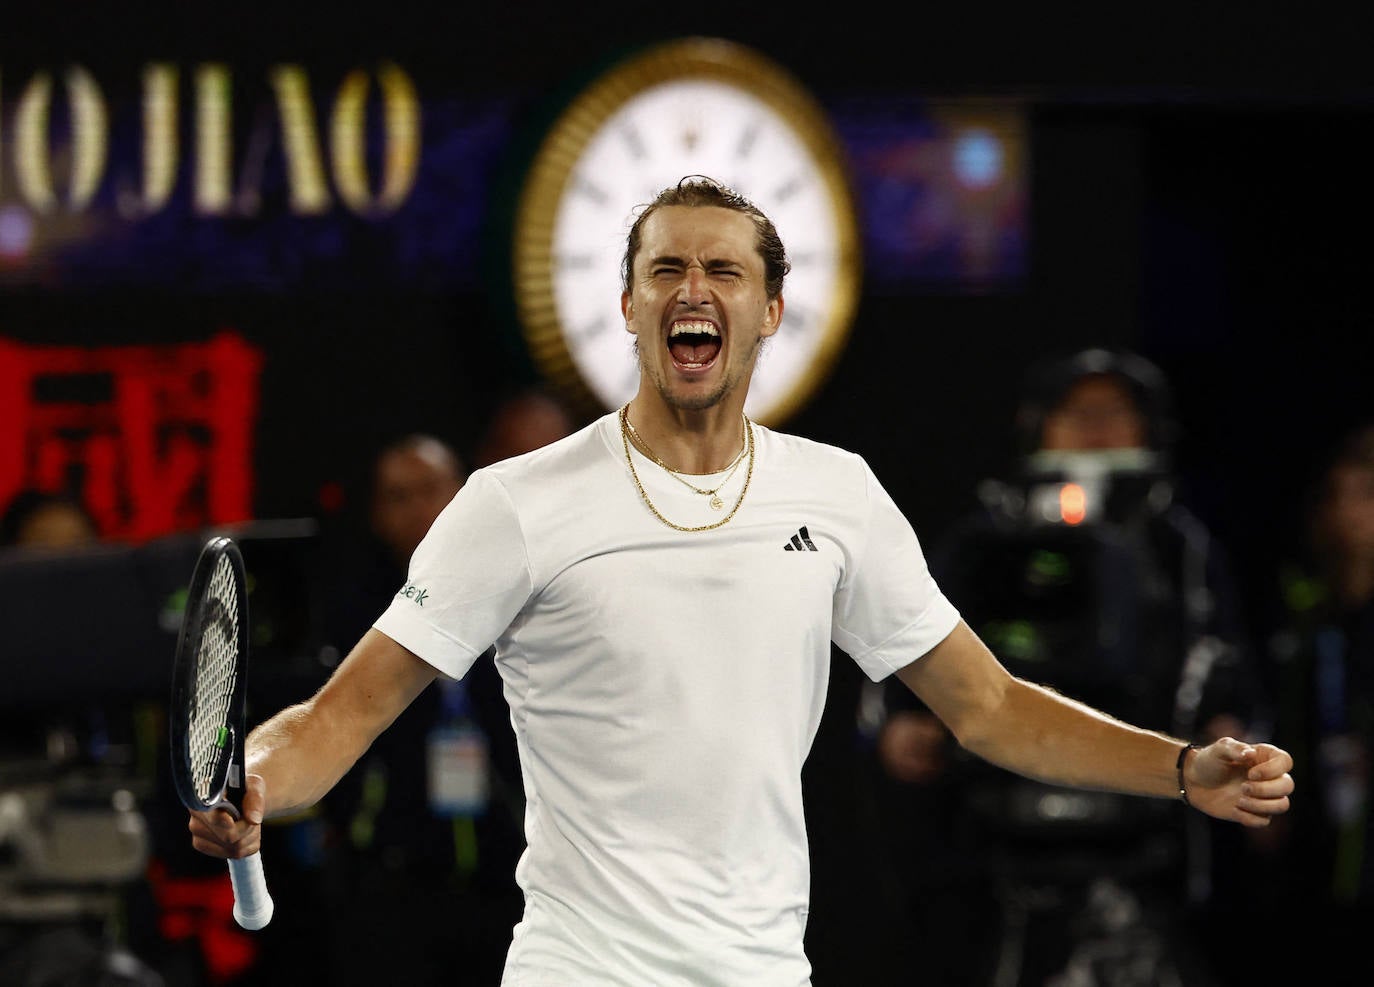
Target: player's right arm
[{"x": 299, "y": 754}]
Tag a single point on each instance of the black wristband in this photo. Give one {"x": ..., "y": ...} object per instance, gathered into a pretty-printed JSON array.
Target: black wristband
[{"x": 1182, "y": 756}]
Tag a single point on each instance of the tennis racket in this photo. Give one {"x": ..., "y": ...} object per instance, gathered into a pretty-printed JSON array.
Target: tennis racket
[{"x": 206, "y": 717}]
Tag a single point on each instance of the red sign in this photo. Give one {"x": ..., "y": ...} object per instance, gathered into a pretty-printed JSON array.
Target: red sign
[{"x": 155, "y": 439}]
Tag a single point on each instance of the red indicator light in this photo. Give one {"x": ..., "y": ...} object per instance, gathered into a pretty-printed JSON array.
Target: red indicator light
[{"x": 1073, "y": 503}]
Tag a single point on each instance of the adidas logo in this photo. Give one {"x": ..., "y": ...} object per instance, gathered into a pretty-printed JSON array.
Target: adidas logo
[{"x": 801, "y": 542}]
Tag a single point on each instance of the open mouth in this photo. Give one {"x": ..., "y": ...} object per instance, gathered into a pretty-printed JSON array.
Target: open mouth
[{"x": 694, "y": 344}]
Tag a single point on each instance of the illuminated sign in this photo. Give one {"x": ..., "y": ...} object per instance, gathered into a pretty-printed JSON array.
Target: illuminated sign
[
  {"x": 206, "y": 176},
  {"x": 155, "y": 439},
  {"x": 35, "y": 144}
]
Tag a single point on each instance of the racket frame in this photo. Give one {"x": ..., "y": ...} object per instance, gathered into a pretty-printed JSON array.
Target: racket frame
[
  {"x": 227, "y": 782},
  {"x": 253, "y": 904}
]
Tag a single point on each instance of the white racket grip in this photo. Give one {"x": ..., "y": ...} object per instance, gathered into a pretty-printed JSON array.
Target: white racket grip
[{"x": 252, "y": 902}]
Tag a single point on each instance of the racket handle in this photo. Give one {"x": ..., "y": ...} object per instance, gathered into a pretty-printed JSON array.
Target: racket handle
[{"x": 252, "y": 902}]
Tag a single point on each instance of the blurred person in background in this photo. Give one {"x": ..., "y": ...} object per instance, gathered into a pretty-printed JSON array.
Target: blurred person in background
[
  {"x": 46, "y": 519},
  {"x": 1323, "y": 666},
  {"x": 1085, "y": 572},
  {"x": 413, "y": 480},
  {"x": 525, "y": 419},
  {"x": 53, "y": 523}
]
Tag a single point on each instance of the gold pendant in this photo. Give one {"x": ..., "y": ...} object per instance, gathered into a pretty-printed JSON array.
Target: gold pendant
[{"x": 715, "y": 502}]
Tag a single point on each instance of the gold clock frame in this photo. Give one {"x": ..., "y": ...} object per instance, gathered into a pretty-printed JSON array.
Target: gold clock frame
[{"x": 568, "y": 137}]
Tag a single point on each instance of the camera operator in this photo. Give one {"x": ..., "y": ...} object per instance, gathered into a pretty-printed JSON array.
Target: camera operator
[{"x": 1085, "y": 573}]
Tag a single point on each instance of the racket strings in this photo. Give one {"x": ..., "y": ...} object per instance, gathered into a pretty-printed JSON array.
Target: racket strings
[{"x": 208, "y": 740}]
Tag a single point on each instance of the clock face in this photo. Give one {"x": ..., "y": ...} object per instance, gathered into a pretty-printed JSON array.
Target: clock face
[{"x": 693, "y": 107}]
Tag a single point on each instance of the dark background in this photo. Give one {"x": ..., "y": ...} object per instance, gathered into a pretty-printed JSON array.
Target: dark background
[{"x": 1199, "y": 189}]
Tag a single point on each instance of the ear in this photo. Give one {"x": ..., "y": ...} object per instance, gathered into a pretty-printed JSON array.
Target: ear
[
  {"x": 772, "y": 317},
  {"x": 627, "y": 309}
]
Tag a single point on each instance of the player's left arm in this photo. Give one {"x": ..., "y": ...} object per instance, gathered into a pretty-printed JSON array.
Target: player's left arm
[{"x": 1034, "y": 731}]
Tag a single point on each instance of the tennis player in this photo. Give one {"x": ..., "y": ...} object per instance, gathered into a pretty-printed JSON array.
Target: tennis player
[{"x": 662, "y": 588}]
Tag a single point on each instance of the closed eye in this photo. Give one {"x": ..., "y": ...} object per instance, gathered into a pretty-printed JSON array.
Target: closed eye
[{"x": 673, "y": 266}]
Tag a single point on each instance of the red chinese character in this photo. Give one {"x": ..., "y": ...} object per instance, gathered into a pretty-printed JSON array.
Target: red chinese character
[{"x": 156, "y": 439}]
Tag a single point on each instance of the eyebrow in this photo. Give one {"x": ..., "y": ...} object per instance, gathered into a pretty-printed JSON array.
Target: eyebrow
[{"x": 713, "y": 264}]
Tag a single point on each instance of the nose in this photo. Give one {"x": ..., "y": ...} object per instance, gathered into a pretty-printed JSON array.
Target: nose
[{"x": 693, "y": 290}]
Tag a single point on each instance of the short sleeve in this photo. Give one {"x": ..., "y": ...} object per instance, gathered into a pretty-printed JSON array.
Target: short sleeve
[
  {"x": 467, "y": 581},
  {"x": 888, "y": 609}
]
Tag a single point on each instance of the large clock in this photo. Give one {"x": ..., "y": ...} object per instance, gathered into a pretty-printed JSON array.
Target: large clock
[{"x": 691, "y": 106}]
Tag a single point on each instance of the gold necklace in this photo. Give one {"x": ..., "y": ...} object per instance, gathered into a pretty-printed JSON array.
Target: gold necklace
[
  {"x": 748, "y": 475},
  {"x": 715, "y": 501}
]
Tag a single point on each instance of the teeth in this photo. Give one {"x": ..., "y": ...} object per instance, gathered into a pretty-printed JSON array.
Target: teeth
[{"x": 703, "y": 328}]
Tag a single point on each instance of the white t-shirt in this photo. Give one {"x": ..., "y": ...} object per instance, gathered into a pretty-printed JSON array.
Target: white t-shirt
[{"x": 665, "y": 688}]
